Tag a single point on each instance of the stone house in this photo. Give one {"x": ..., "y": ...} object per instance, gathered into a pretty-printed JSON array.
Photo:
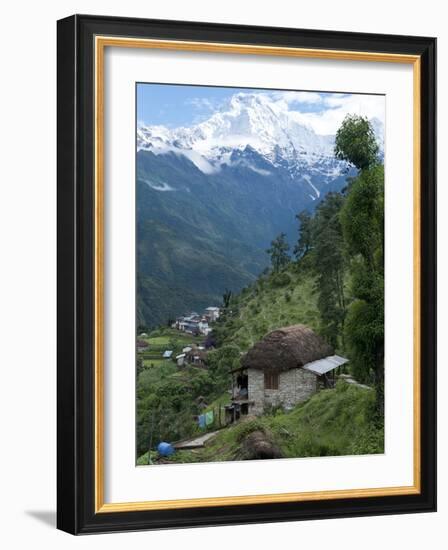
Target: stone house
[
  {"x": 283, "y": 369},
  {"x": 197, "y": 356}
]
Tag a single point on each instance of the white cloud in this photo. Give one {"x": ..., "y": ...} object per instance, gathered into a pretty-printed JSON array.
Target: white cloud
[
  {"x": 201, "y": 103},
  {"x": 337, "y": 106},
  {"x": 298, "y": 97},
  {"x": 324, "y": 112}
]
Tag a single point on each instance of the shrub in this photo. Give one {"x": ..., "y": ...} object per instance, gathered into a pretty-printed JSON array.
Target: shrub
[
  {"x": 368, "y": 441},
  {"x": 280, "y": 279},
  {"x": 246, "y": 428}
]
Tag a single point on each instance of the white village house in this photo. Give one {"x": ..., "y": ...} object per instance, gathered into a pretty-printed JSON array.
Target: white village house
[
  {"x": 283, "y": 369},
  {"x": 196, "y": 324},
  {"x": 212, "y": 313}
]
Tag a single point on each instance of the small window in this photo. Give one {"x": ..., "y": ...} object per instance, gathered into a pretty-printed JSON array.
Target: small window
[{"x": 270, "y": 381}]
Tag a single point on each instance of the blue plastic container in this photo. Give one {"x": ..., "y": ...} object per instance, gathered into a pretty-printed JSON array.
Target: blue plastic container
[{"x": 165, "y": 449}]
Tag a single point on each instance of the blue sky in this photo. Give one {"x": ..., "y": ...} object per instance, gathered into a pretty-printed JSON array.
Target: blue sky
[
  {"x": 174, "y": 105},
  {"x": 178, "y": 105}
]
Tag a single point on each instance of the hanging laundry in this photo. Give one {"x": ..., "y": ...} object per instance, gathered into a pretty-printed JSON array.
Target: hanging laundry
[
  {"x": 201, "y": 421},
  {"x": 209, "y": 418}
]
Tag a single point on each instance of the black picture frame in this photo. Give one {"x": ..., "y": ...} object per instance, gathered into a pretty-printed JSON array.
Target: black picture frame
[{"x": 76, "y": 264}]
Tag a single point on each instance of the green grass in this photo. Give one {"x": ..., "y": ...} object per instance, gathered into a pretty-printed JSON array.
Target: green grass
[
  {"x": 150, "y": 363},
  {"x": 159, "y": 341},
  {"x": 152, "y": 376},
  {"x": 331, "y": 423},
  {"x": 162, "y": 340},
  {"x": 272, "y": 303},
  {"x": 162, "y": 337}
]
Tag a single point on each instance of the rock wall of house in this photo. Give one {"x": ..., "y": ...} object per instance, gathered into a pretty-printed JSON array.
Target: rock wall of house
[
  {"x": 295, "y": 386},
  {"x": 256, "y": 390}
]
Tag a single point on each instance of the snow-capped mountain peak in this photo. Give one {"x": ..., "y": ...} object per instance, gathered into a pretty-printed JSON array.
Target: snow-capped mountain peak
[
  {"x": 252, "y": 120},
  {"x": 249, "y": 121}
]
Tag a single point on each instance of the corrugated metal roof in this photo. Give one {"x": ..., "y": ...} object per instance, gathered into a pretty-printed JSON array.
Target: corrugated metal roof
[
  {"x": 327, "y": 364},
  {"x": 167, "y": 354}
]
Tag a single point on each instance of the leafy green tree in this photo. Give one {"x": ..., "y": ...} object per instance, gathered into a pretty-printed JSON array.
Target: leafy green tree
[
  {"x": 226, "y": 298},
  {"x": 305, "y": 242},
  {"x": 363, "y": 225},
  {"x": 172, "y": 344},
  {"x": 362, "y": 220},
  {"x": 329, "y": 265},
  {"x": 220, "y": 363},
  {"x": 356, "y": 142},
  {"x": 279, "y": 252},
  {"x": 363, "y": 216}
]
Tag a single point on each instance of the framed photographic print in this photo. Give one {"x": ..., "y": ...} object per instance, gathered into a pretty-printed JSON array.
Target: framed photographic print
[{"x": 246, "y": 274}]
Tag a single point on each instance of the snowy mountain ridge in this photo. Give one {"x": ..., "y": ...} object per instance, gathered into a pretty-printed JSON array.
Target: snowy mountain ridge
[
  {"x": 253, "y": 123},
  {"x": 250, "y": 121}
]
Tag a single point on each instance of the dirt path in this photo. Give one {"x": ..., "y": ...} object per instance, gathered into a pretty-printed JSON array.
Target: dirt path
[
  {"x": 196, "y": 442},
  {"x": 350, "y": 380}
]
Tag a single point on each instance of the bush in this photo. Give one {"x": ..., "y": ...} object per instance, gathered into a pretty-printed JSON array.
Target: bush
[
  {"x": 369, "y": 441},
  {"x": 280, "y": 279},
  {"x": 245, "y": 428}
]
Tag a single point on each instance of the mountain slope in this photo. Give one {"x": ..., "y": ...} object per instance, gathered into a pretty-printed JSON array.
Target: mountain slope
[
  {"x": 211, "y": 197},
  {"x": 273, "y": 301}
]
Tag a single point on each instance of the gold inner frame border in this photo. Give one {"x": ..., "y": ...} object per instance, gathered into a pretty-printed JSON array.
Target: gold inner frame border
[{"x": 100, "y": 43}]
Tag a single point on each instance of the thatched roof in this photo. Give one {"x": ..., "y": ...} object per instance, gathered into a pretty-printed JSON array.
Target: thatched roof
[{"x": 286, "y": 348}]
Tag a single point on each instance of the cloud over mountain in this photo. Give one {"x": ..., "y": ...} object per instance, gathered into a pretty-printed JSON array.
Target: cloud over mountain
[{"x": 273, "y": 124}]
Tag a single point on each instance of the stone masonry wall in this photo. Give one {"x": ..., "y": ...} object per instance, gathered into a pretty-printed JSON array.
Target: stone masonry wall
[
  {"x": 295, "y": 386},
  {"x": 256, "y": 390}
]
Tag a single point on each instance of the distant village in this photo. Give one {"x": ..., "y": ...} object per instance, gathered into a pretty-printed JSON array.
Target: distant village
[
  {"x": 196, "y": 324},
  {"x": 193, "y": 324},
  {"x": 284, "y": 368}
]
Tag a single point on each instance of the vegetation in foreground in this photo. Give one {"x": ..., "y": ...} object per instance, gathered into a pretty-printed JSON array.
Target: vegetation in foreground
[{"x": 333, "y": 422}]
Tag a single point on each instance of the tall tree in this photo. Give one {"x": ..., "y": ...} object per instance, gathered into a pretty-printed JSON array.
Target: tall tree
[
  {"x": 279, "y": 252},
  {"x": 363, "y": 224},
  {"x": 362, "y": 219},
  {"x": 329, "y": 264},
  {"x": 356, "y": 143},
  {"x": 305, "y": 241},
  {"x": 226, "y": 297}
]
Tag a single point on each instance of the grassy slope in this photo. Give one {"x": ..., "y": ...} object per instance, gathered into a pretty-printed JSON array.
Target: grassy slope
[
  {"x": 331, "y": 423},
  {"x": 274, "y": 301}
]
